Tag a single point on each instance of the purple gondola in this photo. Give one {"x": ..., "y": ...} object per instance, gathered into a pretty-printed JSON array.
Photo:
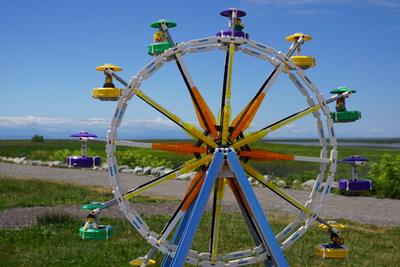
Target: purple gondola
[
  {"x": 235, "y": 26},
  {"x": 83, "y": 161},
  {"x": 355, "y": 183}
]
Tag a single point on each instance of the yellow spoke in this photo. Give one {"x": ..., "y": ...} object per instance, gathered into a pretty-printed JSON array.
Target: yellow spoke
[
  {"x": 227, "y": 105},
  {"x": 220, "y": 187},
  {"x": 250, "y": 138},
  {"x": 243, "y": 120},
  {"x": 190, "y": 128},
  {"x": 254, "y": 173},
  {"x": 187, "y": 167}
]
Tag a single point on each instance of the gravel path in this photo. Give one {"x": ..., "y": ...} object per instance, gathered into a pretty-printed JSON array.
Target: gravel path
[{"x": 383, "y": 212}]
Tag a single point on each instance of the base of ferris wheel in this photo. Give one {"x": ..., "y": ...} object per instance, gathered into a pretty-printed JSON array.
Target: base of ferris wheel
[{"x": 225, "y": 167}]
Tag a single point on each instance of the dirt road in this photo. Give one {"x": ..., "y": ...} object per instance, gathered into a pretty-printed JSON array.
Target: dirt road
[{"x": 384, "y": 212}]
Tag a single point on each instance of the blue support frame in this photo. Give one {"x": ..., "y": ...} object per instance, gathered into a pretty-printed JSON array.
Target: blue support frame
[
  {"x": 237, "y": 192},
  {"x": 189, "y": 224},
  {"x": 267, "y": 235},
  {"x": 178, "y": 235},
  {"x": 198, "y": 209}
]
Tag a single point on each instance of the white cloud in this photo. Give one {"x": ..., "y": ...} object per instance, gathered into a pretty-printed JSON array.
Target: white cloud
[
  {"x": 374, "y": 131},
  {"x": 18, "y": 122},
  {"x": 95, "y": 122},
  {"x": 157, "y": 123},
  {"x": 57, "y": 124}
]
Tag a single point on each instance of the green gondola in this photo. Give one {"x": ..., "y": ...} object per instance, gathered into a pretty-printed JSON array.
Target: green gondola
[
  {"x": 94, "y": 231},
  {"x": 342, "y": 114},
  {"x": 101, "y": 233},
  {"x": 161, "y": 42},
  {"x": 158, "y": 48}
]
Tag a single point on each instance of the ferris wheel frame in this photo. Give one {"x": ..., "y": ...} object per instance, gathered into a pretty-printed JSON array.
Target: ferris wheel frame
[{"x": 308, "y": 212}]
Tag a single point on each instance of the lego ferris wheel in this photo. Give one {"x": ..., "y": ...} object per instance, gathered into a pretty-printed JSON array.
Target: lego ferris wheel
[{"x": 222, "y": 148}]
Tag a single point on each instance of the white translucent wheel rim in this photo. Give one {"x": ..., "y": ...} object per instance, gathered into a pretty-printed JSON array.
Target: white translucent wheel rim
[{"x": 328, "y": 153}]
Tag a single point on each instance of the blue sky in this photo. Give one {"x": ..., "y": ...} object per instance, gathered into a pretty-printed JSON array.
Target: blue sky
[{"x": 51, "y": 48}]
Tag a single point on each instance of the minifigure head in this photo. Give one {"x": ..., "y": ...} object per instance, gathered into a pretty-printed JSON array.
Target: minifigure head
[
  {"x": 91, "y": 218},
  {"x": 159, "y": 36},
  {"x": 238, "y": 21}
]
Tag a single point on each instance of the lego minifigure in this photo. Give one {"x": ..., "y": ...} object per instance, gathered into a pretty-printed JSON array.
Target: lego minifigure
[
  {"x": 159, "y": 37},
  {"x": 340, "y": 105},
  {"x": 238, "y": 25},
  {"x": 90, "y": 222}
]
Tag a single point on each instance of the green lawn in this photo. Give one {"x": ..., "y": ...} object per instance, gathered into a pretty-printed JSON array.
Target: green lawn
[
  {"x": 55, "y": 241},
  {"x": 51, "y": 244},
  {"x": 16, "y": 193}
]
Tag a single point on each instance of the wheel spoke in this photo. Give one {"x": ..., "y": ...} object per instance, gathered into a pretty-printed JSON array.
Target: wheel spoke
[
  {"x": 226, "y": 95},
  {"x": 243, "y": 120},
  {"x": 190, "y": 128},
  {"x": 185, "y": 168},
  {"x": 133, "y": 144},
  {"x": 246, "y": 116},
  {"x": 181, "y": 148},
  {"x": 260, "y": 178},
  {"x": 262, "y": 154},
  {"x": 190, "y": 195},
  {"x": 204, "y": 115},
  {"x": 219, "y": 190},
  {"x": 279, "y": 124}
]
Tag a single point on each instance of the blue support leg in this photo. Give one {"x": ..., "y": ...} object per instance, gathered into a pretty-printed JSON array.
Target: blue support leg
[
  {"x": 248, "y": 219},
  {"x": 198, "y": 210},
  {"x": 267, "y": 235},
  {"x": 178, "y": 234}
]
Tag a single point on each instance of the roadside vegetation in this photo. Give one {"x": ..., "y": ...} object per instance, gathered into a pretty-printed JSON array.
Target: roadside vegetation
[{"x": 292, "y": 172}]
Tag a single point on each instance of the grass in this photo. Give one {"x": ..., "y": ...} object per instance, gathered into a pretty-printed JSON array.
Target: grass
[
  {"x": 57, "y": 243},
  {"x": 54, "y": 239},
  {"x": 16, "y": 193}
]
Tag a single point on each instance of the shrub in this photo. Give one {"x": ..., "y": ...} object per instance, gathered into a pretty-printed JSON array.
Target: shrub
[
  {"x": 40, "y": 155},
  {"x": 62, "y": 154},
  {"x": 386, "y": 176},
  {"x": 132, "y": 159},
  {"x": 37, "y": 138}
]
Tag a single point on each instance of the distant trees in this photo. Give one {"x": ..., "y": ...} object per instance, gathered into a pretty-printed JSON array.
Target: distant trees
[
  {"x": 37, "y": 138},
  {"x": 386, "y": 176}
]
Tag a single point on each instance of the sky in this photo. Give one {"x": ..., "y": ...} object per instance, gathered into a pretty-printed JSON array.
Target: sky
[{"x": 50, "y": 49}]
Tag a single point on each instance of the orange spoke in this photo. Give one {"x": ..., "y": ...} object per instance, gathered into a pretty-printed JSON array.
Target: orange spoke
[
  {"x": 203, "y": 112},
  {"x": 182, "y": 148},
  {"x": 246, "y": 116},
  {"x": 261, "y": 154},
  {"x": 193, "y": 190}
]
